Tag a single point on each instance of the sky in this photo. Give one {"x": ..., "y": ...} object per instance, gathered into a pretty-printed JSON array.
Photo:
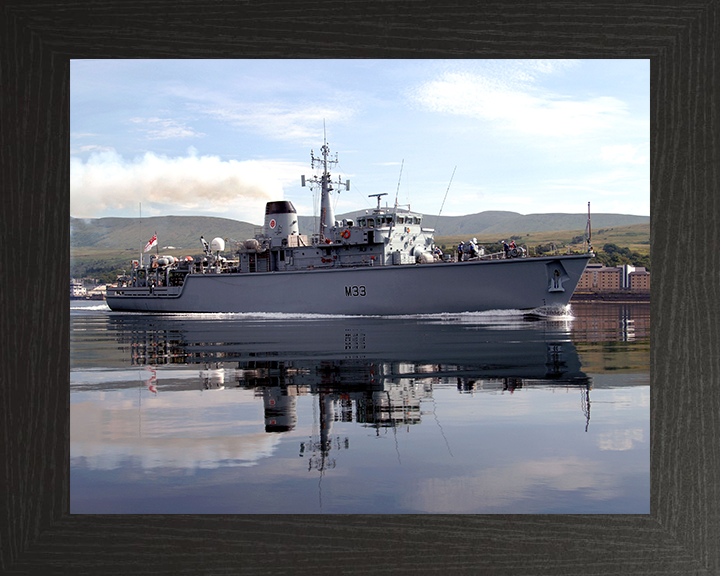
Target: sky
[{"x": 223, "y": 137}]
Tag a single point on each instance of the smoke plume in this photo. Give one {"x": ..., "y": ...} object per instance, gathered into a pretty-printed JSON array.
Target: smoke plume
[{"x": 107, "y": 184}]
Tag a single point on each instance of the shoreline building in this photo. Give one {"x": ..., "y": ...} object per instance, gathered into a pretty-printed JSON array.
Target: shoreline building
[
  {"x": 626, "y": 278},
  {"x": 77, "y": 290},
  {"x": 639, "y": 280}
]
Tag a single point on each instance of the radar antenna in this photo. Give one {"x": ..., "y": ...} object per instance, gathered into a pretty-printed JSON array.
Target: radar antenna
[
  {"x": 378, "y": 197},
  {"x": 327, "y": 216}
]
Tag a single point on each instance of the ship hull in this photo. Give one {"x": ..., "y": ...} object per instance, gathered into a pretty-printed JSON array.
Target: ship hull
[{"x": 523, "y": 283}]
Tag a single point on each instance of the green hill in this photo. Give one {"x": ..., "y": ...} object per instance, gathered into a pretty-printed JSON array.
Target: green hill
[
  {"x": 101, "y": 246},
  {"x": 503, "y": 223},
  {"x": 635, "y": 237},
  {"x": 183, "y": 232}
]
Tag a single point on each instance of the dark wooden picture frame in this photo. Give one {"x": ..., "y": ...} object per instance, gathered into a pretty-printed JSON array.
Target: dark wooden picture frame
[{"x": 37, "y": 533}]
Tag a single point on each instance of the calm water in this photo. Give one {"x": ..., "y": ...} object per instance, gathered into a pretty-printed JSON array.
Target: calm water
[{"x": 471, "y": 413}]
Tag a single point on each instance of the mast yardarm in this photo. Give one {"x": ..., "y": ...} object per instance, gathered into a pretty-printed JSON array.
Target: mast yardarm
[{"x": 327, "y": 215}]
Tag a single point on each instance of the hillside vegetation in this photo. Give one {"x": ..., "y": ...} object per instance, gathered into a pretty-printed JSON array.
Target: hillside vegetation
[
  {"x": 102, "y": 248},
  {"x": 182, "y": 232},
  {"x": 636, "y": 237},
  {"x": 613, "y": 246}
]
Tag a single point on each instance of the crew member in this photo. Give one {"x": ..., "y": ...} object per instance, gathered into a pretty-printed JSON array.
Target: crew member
[
  {"x": 472, "y": 248},
  {"x": 506, "y": 248}
]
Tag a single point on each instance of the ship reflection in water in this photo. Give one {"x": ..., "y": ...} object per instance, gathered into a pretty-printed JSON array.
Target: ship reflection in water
[
  {"x": 354, "y": 380},
  {"x": 170, "y": 405}
]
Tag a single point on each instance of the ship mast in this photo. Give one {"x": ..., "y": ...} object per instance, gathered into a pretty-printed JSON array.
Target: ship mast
[{"x": 327, "y": 215}]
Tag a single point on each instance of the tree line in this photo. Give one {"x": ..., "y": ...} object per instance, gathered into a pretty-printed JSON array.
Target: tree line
[
  {"x": 614, "y": 255},
  {"x": 609, "y": 255}
]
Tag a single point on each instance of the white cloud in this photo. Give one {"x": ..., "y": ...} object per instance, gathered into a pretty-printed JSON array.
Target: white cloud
[
  {"x": 620, "y": 439},
  {"x": 549, "y": 66},
  {"x": 302, "y": 123},
  {"x": 623, "y": 154},
  {"x": 274, "y": 107},
  {"x": 164, "y": 128},
  {"x": 100, "y": 443},
  {"x": 196, "y": 184},
  {"x": 509, "y": 97},
  {"x": 95, "y": 148},
  {"x": 503, "y": 488}
]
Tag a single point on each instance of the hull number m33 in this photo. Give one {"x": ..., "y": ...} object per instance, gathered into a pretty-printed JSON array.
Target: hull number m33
[{"x": 355, "y": 291}]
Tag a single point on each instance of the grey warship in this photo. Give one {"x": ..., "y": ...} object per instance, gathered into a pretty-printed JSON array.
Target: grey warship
[{"x": 381, "y": 263}]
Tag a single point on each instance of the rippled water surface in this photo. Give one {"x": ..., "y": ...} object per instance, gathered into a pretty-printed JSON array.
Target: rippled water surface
[{"x": 468, "y": 413}]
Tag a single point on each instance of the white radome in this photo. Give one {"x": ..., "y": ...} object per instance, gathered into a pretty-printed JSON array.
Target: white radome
[{"x": 217, "y": 245}]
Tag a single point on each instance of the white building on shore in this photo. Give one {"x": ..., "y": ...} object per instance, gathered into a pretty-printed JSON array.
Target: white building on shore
[{"x": 77, "y": 290}]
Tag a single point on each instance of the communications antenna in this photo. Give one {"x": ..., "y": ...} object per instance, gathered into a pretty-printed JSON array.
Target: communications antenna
[
  {"x": 325, "y": 183},
  {"x": 445, "y": 198}
]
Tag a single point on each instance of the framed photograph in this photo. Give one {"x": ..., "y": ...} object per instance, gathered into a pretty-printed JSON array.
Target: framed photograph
[{"x": 675, "y": 533}]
